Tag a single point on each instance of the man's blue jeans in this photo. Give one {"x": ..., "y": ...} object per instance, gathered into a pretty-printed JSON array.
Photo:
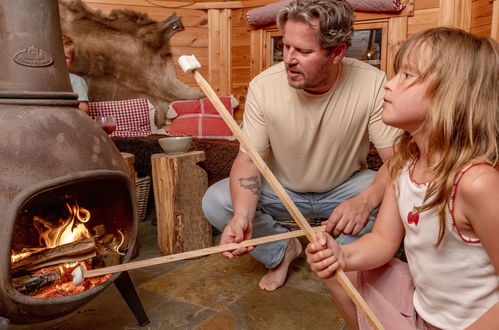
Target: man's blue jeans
[{"x": 217, "y": 207}]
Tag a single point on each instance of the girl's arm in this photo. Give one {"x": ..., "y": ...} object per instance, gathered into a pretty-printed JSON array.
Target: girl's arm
[
  {"x": 370, "y": 251},
  {"x": 477, "y": 200},
  {"x": 378, "y": 247},
  {"x": 489, "y": 320}
]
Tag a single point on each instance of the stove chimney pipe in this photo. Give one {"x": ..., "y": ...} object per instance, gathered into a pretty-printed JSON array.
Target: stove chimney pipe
[{"x": 32, "y": 55}]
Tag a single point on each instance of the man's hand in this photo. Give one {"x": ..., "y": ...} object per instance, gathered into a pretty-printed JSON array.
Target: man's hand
[
  {"x": 325, "y": 256},
  {"x": 236, "y": 231},
  {"x": 349, "y": 217},
  {"x": 352, "y": 215}
]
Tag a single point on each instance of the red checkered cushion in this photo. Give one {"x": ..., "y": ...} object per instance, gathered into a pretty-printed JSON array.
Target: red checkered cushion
[
  {"x": 200, "y": 125},
  {"x": 200, "y": 119},
  {"x": 200, "y": 106},
  {"x": 132, "y": 116}
]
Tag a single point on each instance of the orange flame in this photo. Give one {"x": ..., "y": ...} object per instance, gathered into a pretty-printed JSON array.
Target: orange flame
[
  {"x": 120, "y": 243},
  {"x": 68, "y": 230},
  {"x": 24, "y": 254},
  {"x": 72, "y": 229}
]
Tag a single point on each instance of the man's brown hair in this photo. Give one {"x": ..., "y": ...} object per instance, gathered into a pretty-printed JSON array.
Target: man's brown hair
[{"x": 335, "y": 18}]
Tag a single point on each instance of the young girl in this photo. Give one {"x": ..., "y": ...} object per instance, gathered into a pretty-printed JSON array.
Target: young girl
[{"x": 444, "y": 197}]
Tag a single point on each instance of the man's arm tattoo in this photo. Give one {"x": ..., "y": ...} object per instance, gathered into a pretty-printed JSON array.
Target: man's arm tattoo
[{"x": 252, "y": 183}]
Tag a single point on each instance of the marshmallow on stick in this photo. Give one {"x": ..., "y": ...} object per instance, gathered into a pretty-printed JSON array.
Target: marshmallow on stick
[{"x": 191, "y": 64}]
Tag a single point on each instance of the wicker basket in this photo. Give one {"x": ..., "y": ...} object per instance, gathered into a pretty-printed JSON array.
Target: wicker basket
[{"x": 142, "y": 187}]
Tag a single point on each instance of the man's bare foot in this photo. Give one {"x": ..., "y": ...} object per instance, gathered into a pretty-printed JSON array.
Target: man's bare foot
[{"x": 276, "y": 277}]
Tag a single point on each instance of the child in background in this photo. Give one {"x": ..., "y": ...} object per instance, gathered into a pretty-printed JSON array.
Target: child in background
[
  {"x": 444, "y": 197},
  {"x": 78, "y": 84}
]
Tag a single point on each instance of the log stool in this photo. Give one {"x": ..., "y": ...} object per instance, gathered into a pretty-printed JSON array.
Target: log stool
[{"x": 179, "y": 185}]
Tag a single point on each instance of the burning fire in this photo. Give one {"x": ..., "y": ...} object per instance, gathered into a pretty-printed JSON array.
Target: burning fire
[
  {"x": 70, "y": 229},
  {"x": 73, "y": 228}
]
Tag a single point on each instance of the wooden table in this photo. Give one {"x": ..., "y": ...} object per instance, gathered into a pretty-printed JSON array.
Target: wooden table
[{"x": 179, "y": 185}]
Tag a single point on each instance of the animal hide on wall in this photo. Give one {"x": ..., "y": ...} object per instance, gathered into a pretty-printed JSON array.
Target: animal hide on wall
[{"x": 125, "y": 55}]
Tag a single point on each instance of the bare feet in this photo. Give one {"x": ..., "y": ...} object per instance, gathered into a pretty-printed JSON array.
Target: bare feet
[{"x": 276, "y": 277}]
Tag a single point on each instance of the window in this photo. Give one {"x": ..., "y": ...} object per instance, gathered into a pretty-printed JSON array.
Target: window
[{"x": 366, "y": 46}]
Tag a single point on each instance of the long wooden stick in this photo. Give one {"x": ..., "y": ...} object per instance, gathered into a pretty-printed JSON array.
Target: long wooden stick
[
  {"x": 195, "y": 253},
  {"x": 283, "y": 196}
]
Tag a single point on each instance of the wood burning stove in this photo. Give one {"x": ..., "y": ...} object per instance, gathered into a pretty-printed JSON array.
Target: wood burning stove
[{"x": 63, "y": 182}]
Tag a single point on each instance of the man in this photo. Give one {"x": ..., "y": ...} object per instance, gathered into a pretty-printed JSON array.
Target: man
[{"x": 311, "y": 118}]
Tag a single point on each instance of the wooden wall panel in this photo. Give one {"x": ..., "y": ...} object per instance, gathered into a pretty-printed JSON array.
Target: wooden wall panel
[
  {"x": 226, "y": 52},
  {"x": 481, "y": 17},
  {"x": 190, "y": 17},
  {"x": 241, "y": 60},
  {"x": 426, "y": 15},
  {"x": 214, "y": 51},
  {"x": 495, "y": 21},
  {"x": 423, "y": 19},
  {"x": 398, "y": 34},
  {"x": 484, "y": 31},
  {"x": 192, "y": 36},
  {"x": 481, "y": 13},
  {"x": 426, "y": 4}
]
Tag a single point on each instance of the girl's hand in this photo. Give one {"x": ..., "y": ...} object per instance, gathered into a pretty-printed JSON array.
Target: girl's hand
[{"x": 325, "y": 256}]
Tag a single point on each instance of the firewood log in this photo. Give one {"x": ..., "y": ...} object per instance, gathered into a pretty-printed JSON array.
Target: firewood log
[
  {"x": 66, "y": 253},
  {"x": 31, "y": 284}
]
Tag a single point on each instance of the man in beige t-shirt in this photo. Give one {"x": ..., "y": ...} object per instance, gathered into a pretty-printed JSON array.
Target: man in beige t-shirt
[{"x": 311, "y": 118}]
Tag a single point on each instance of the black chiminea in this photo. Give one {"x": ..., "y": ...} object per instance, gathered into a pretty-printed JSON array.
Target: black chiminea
[{"x": 52, "y": 156}]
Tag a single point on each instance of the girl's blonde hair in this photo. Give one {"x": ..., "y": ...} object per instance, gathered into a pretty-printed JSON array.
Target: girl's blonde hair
[{"x": 463, "y": 75}]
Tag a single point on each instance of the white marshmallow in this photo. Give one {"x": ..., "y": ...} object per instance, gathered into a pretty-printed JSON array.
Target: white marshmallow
[
  {"x": 77, "y": 275},
  {"x": 188, "y": 63}
]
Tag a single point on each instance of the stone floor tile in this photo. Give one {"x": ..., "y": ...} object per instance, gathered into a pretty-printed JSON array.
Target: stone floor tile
[
  {"x": 223, "y": 320},
  {"x": 286, "y": 308},
  {"x": 146, "y": 274},
  {"x": 301, "y": 277},
  {"x": 212, "y": 281}
]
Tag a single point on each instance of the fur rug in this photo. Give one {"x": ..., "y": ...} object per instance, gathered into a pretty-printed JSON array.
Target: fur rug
[{"x": 125, "y": 55}]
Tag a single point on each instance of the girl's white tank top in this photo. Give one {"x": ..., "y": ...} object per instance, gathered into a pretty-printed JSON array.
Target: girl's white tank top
[{"x": 455, "y": 282}]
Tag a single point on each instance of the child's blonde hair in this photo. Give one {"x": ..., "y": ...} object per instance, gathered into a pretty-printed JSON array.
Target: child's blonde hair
[
  {"x": 463, "y": 73},
  {"x": 69, "y": 46}
]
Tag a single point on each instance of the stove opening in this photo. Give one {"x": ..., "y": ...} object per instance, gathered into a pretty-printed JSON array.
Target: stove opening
[{"x": 86, "y": 223}]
